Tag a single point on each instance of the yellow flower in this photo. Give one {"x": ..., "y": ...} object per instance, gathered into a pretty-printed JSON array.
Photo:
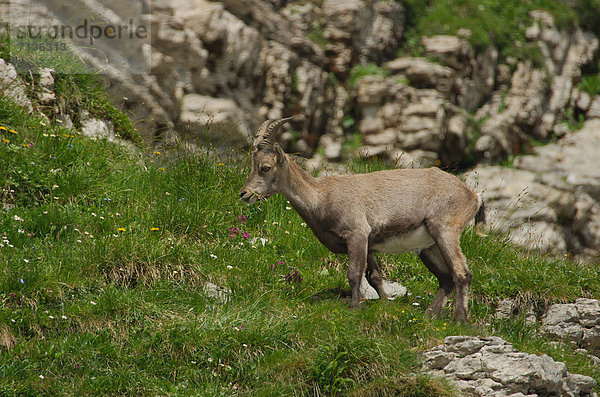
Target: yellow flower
[
  {"x": 121, "y": 229},
  {"x": 12, "y": 131},
  {"x": 6, "y": 140},
  {"x": 220, "y": 164},
  {"x": 156, "y": 152},
  {"x": 154, "y": 229},
  {"x": 2, "y": 128},
  {"x": 161, "y": 169}
]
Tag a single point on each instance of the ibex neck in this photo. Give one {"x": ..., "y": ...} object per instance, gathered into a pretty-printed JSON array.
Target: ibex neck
[{"x": 302, "y": 189}]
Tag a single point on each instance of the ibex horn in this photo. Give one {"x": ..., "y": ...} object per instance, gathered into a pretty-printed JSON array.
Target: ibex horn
[{"x": 267, "y": 132}]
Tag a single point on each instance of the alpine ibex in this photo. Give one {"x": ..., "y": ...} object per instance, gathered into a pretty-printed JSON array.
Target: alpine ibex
[{"x": 394, "y": 211}]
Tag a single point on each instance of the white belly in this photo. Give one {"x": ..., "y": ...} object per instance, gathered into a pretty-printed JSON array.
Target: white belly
[{"x": 417, "y": 239}]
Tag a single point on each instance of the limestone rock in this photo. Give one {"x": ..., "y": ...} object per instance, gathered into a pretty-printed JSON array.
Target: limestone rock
[
  {"x": 423, "y": 73},
  {"x": 391, "y": 288},
  {"x": 490, "y": 366},
  {"x": 11, "y": 85},
  {"x": 46, "y": 86},
  {"x": 578, "y": 322},
  {"x": 217, "y": 119}
]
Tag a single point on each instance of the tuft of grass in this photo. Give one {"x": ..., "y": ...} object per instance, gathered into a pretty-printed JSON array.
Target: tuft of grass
[
  {"x": 590, "y": 84},
  {"x": 369, "y": 69}
]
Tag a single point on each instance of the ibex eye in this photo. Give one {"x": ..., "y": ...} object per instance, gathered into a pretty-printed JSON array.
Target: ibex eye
[{"x": 265, "y": 168}]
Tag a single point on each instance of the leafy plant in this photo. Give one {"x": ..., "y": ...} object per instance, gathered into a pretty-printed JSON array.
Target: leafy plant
[
  {"x": 370, "y": 69},
  {"x": 590, "y": 84}
]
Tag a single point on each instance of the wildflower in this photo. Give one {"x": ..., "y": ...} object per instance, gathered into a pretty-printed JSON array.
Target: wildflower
[
  {"x": 167, "y": 193},
  {"x": 6, "y": 140},
  {"x": 22, "y": 281},
  {"x": 154, "y": 229},
  {"x": 41, "y": 376},
  {"x": 293, "y": 277},
  {"x": 288, "y": 208},
  {"x": 242, "y": 218},
  {"x": 161, "y": 169},
  {"x": 213, "y": 256},
  {"x": 2, "y": 128},
  {"x": 121, "y": 229},
  {"x": 93, "y": 303},
  {"x": 12, "y": 295},
  {"x": 233, "y": 231},
  {"x": 63, "y": 317},
  {"x": 229, "y": 267},
  {"x": 220, "y": 164},
  {"x": 26, "y": 260},
  {"x": 246, "y": 235},
  {"x": 416, "y": 304},
  {"x": 156, "y": 152}
]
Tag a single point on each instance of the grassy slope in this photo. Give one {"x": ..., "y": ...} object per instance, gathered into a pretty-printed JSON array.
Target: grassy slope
[
  {"x": 105, "y": 254},
  {"x": 96, "y": 301}
]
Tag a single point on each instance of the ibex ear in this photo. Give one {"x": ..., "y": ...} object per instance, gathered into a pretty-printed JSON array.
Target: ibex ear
[{"x": 280, "y": 154}]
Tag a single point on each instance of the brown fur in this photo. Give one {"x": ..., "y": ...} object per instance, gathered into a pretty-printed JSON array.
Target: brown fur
[{"x": 350, "y": 214}]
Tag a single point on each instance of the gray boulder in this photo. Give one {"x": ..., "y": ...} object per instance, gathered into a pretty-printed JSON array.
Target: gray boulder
[{"x": 490, "y": 366}]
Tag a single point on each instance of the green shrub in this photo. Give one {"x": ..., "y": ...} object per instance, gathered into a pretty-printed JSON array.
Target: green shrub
[{"x": 370, "y": 69}]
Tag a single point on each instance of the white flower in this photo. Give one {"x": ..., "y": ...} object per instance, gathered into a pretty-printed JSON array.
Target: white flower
[
  {"x": 213, "y": 256},
  {"x": 18, "y": 218},
  {"x": 41, "y": 376},
  {"x": 26, "y": 260},
  {"x": 416, "y": 304},
  {"x": 229, "y": 267},
  {"x": 93, "y": 303},
  {"x": 63, "y": 317}
]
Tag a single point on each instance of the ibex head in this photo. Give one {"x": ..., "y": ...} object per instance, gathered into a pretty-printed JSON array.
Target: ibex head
[{"x": 268, "y": 161}]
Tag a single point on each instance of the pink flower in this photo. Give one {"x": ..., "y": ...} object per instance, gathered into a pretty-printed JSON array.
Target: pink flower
[
  {"x": 246, "y": 235},
  {"x": 233, "y": 231},
  {"x": 242, "y": 218}
]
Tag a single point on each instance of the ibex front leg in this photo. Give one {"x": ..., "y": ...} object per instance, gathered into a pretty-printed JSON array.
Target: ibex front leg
[{"x": 357, "y": 258}]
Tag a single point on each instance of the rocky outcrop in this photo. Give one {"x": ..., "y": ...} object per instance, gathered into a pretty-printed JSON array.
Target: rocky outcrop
[
  {"x": 533, "y": 104},
  {"x": 11, "y": 85},
  {"x": 549, "y": 201},
  {"x": 490, "y": 366},
  {"x": 577, "y": 322},
  {"x": 400, "y": 122}
]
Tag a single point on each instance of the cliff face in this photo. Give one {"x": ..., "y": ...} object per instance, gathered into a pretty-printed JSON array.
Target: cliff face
[{"x": 217, "y": 69}]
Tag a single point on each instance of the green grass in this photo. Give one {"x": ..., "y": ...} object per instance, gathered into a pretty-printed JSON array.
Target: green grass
[
  {"x": 501, "y": 23},
  {"x": 369, "y": 69},
  {"x": 75, "y": 87},
  {"x": 105, "y": 255}
]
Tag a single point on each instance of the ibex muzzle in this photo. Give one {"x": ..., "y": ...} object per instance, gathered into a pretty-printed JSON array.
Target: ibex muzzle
[{"x": 423, "y": 210}]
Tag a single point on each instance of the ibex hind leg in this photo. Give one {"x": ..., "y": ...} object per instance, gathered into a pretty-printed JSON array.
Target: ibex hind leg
[
  {"x": 447, "y": 239},
  {"x": 432, "y": 258},
  {"x": 373, "y": 275}
]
